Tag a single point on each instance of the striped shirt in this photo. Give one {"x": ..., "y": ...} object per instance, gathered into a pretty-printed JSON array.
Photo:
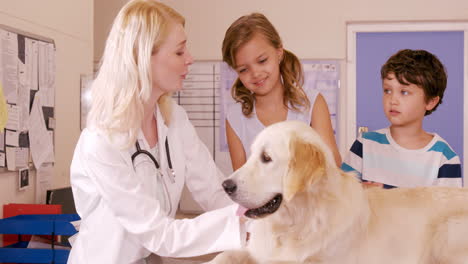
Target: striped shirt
[{"x": 376, "y": 157}]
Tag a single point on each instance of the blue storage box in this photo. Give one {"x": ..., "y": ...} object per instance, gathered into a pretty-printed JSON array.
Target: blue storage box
[{"x": 52, "y": 224}]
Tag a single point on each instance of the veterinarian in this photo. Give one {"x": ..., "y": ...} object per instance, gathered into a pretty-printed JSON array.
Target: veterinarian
[
  {"x": 139, "y": 149},
  {"x": 269, "y": 87}
]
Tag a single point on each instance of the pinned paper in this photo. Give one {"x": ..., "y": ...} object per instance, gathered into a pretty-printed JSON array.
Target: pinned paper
[
  {"x": 3, "y": 109},
  {"x": 40, "y": 140}
]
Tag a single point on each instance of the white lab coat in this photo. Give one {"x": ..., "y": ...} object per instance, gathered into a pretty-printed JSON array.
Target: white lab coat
[{"x": 121, "y": 217}]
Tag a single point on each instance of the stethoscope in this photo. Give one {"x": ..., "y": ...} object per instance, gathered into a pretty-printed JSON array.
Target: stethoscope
[{"x": 170, "y": 171}]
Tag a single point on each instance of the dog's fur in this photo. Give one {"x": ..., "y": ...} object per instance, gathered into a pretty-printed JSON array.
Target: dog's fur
[{"x": 327, "y": 217}]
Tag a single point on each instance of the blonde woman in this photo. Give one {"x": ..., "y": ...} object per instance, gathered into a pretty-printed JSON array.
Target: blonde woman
[
  {"x": 139, "y": 149},
  {"x": 268, "y": 88}
]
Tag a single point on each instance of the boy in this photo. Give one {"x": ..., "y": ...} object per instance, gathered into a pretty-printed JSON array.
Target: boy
[{"x": 404, "y": 155}]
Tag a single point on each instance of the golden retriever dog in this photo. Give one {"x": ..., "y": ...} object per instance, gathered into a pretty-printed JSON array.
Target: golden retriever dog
[{"x": 306, "y": 210}]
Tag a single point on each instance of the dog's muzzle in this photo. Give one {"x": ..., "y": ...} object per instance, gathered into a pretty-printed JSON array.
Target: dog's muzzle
[{"x": 230, "y": 187}]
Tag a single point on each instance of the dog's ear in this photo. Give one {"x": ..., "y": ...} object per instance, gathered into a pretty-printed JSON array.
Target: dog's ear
[{"x": 306, "y": 165}]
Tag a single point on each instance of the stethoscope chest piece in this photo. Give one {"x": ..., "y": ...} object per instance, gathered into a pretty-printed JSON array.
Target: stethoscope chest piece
[{"x": 171, "y": 174}]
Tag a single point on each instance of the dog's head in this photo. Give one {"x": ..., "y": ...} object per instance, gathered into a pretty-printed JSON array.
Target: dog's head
[{"x": 286, "y": 159}]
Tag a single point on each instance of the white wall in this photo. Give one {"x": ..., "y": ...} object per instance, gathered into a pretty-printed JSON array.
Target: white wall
[
  {"x": 70, "y": 24},
  {"x": 104, "y": 14},
  {"x": 311, "y": 29}
]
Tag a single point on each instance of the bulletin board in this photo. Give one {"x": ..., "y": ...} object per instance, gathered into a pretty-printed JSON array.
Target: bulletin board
[{"x": 27, "y": 99}]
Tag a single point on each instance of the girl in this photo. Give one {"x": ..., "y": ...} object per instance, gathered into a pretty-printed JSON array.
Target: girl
[{"x": 268, "y": 89}]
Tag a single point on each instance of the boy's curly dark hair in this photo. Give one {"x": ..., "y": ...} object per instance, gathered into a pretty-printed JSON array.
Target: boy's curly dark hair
[{"x": 418, "y": 67}]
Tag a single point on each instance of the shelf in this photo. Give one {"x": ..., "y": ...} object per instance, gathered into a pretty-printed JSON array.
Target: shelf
[{"x": 52, "y": 224}]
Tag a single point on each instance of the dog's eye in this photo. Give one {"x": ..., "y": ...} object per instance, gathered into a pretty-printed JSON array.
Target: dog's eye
[{"x": 265, "y": 157}]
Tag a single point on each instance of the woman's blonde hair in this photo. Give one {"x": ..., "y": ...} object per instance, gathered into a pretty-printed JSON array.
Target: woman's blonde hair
[
  {"x": 242, "y": 31},
  {"x": 124, "y": 83}
]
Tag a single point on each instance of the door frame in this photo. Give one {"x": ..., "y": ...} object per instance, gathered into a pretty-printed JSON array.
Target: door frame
[{"x": 353, "y": 28}]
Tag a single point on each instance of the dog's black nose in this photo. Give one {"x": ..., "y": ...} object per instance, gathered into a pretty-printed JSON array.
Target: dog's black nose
[{"x": 229, "y": 186}]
